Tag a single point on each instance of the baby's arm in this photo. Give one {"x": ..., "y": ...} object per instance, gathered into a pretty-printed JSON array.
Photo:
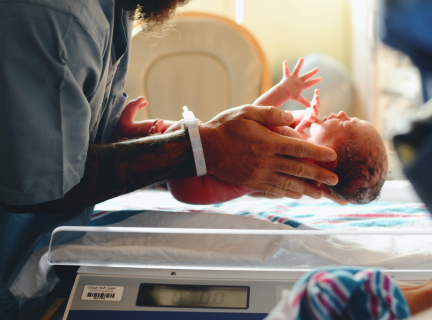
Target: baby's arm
[
  {"x": 126, "y": 127},
  {"x": 291, "y": 86},
  {"x": 311, "y": 114}
]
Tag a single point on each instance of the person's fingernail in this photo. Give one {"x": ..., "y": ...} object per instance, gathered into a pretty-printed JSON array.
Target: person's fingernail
[
  {"x": 317, "y": 195},
  {"x": 331, "y": 157},
  {"x": 287, "y": 116},
  {"x": 331, "y": 181}
]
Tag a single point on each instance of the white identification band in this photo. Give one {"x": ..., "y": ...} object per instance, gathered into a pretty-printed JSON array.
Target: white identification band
[{"x": 192, "y": 126}]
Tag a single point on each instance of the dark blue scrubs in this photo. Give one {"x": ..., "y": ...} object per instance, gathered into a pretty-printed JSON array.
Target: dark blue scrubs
[{"x": 63, "y": 65}]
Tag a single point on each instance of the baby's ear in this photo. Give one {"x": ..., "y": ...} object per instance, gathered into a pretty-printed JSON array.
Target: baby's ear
[{"x": 326, "y": 164}]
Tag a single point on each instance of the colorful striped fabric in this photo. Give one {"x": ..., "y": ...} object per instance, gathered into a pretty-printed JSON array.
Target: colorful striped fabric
[
  {"x": 343, "y": 293},
  {"x": 327, "y": 215},
  {"x": 318, "y": 214}
]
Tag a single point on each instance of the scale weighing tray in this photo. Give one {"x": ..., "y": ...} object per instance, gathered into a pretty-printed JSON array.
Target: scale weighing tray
[{"x": 180, "y": 273}]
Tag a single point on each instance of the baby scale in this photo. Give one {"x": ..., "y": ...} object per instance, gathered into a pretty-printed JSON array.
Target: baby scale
[{"x": 186, "y": 273}]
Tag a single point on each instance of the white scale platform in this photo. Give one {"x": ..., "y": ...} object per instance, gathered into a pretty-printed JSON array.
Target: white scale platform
[{"x": 177, "y": 273}]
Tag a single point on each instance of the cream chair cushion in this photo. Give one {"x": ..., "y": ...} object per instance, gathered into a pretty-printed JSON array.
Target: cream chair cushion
[{"x": 207, "y": 63}]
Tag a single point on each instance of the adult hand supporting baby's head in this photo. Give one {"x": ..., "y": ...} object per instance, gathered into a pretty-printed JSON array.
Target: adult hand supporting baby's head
[
  {"x": 240, "y": 149},
  {"x": 329, "y": 195}
]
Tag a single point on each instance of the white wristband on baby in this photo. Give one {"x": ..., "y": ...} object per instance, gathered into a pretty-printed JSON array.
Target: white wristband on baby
[{"x": 191, "y": 124}]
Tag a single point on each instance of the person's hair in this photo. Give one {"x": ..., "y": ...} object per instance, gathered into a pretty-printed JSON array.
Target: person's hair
[
  {"x": 155, "y": 15},
  {"x": 362, "y": 169}
]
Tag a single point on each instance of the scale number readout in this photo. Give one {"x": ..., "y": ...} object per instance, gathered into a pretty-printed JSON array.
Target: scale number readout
[
  {"x": 193, "y": 296},
  {"x": 202, "y": 298},
  {"x": 102, "y": 293}
]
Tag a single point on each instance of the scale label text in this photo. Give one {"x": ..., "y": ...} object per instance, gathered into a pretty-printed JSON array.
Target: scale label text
[{"x": 102, "y": 293}]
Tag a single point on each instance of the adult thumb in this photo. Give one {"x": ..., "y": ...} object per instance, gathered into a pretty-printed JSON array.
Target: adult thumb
[{"x": 271, "y": 116}]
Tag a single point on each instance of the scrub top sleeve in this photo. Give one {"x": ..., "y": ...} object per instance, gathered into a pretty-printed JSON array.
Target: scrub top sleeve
[{"x": 50, "y": 65}]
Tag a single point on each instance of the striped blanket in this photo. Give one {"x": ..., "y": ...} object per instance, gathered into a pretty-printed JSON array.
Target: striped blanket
[
  {"x": 343, "y": 293},
  {"x": 398, "y": 207}
]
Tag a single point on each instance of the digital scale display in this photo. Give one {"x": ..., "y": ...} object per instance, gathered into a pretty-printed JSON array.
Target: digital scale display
[{"x": 192, "y": 296}]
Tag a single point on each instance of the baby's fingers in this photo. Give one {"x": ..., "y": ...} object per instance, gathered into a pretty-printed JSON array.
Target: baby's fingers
[
  {"x": 316, "y": 100},
  {"x": 312, "y": 82},
  {"x": 298, "y": 67},
  {"x": 309, "y": 74},
  {"x": 286, "y": 70}
]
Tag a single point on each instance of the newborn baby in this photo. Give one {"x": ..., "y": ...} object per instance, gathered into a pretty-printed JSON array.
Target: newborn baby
[
  {"x": 361, "y": 156},
  {"x": 361, "y": 164}
]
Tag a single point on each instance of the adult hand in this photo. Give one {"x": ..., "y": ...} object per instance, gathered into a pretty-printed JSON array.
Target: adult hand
[
  {"x": 264, "y": 195},
  {"x": 329, "y": 195},
  {"x": 298, "y": 117},
  {"x": 240, "y": 150}
]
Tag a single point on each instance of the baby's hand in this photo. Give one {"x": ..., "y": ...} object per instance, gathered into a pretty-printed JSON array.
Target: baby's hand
[
  {"x": 313, "y": 110},
  {"x": 295, "y": 84},
  {"x": 311, "y": 114}
]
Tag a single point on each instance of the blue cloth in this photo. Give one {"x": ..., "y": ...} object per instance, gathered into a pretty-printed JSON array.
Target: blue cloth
[
  {"x": 60, "y": 89},
  {"x": 406, "y": 25},
  {"x": 347, "y": 293}
]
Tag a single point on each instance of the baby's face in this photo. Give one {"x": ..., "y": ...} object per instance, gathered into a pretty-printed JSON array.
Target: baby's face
[{"x": 335, "y": 130}]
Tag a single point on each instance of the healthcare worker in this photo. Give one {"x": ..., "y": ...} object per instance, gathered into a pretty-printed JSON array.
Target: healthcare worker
[{"x": 62, "y": 71}]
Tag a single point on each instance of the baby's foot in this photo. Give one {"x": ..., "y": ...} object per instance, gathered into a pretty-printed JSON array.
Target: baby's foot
[{"x": 125, "y": 125}]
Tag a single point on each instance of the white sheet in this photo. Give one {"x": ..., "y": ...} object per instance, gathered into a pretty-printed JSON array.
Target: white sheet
[{"x": 299, "y": 251}]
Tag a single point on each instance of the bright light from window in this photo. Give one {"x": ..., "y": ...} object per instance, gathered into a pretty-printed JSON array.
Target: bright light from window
[{"x": 239, "y": 11}]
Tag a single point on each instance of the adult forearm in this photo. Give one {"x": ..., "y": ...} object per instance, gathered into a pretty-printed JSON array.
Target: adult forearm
[
  {"x": 418, "y": 297},
  {"x": 119, "y": 168}
]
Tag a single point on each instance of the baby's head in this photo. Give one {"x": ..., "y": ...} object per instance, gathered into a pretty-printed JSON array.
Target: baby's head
[{"x": 361, "y": 156}]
